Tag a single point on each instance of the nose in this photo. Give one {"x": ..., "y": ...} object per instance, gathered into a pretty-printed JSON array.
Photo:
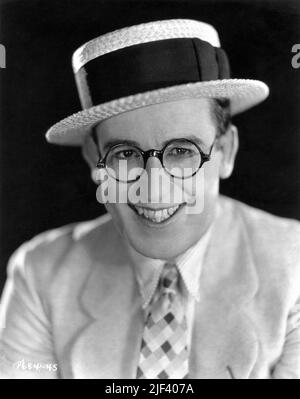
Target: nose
[
  {"x": 157, "y": 186},
  {"x": 152, "y": 163}
]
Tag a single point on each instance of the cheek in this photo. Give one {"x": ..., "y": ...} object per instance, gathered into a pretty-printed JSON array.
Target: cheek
[
  {"x": 120, "y": 215},
  {"x": 202, "y": 189}
]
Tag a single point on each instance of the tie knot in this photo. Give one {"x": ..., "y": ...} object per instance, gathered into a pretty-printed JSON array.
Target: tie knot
[
  {"x": 166, "y": 294},
  {"x": 169, "y": 278}
]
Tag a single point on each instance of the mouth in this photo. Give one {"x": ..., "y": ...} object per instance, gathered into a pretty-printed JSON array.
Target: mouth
[{"x": 156, "y": 216}]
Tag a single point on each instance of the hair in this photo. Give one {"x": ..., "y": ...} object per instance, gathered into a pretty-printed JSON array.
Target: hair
[{"x": 221, "y": 114}]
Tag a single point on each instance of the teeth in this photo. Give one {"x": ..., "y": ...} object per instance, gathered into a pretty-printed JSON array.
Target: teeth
[
  {"x": 165, "y": 213},
  {"x": 151, "y": 214},
  {"x": 156, "y": 216},
  {"x": 171, "y": 211}
]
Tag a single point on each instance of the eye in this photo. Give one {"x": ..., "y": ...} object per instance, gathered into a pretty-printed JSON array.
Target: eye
[
  {"x": 179, "y": 151},
  {"x": 125, "y": 154}
]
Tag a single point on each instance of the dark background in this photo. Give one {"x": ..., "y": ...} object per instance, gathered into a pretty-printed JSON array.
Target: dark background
[{"x": 45, "y": 186}]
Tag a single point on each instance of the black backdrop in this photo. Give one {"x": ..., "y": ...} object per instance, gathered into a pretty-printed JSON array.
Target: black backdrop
[{"x": 45, "y": 186}]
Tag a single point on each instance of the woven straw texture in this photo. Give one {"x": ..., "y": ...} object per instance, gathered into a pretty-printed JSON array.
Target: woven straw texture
[
  {"x": 243, "y": 94},
  {"x": 143, "y": 33}
]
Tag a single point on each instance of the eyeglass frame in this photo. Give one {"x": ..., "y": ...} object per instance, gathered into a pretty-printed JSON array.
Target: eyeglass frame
[{"x": 205, "y": 157}]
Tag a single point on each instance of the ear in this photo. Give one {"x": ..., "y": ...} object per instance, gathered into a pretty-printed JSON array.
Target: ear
[{"x": 228, "y": 145}]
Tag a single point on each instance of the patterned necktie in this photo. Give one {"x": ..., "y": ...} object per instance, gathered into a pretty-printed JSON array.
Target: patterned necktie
[{"x": 164, "y": 351}]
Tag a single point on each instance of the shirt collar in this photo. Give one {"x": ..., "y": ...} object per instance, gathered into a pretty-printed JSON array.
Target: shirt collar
[{"x": 189, "y": 263}]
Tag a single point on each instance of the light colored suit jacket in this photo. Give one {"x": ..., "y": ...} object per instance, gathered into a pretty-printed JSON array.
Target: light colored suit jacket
[{"x": 72, "y": 301}]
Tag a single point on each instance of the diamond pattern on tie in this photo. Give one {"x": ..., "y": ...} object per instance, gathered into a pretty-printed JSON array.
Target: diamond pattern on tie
[{"x": 164, "y": 351}]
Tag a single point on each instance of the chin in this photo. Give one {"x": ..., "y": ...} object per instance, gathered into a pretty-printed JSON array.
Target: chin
[
  {"x": 157, "y": 250},
  {"x": 167, "y": 244}
]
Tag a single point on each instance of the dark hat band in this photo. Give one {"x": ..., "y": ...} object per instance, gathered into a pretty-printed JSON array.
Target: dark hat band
[{"x": 149, "y": 66}]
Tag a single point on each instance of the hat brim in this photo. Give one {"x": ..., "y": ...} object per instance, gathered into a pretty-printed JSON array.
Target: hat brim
[{"x": 242, "y": 93}]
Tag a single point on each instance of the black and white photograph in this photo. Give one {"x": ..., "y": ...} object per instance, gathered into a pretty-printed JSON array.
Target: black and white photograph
[{"x": 150, "y": 191}]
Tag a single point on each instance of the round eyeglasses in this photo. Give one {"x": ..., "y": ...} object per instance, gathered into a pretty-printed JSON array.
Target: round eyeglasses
[{"x": 180, "y": 158}]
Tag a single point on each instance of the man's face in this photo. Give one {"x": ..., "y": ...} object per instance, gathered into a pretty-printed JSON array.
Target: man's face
[{"x": 150, "y": 127}]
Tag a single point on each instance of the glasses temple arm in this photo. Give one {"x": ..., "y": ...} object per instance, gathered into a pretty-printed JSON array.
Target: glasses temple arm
[{"x": 96, "y": 141}]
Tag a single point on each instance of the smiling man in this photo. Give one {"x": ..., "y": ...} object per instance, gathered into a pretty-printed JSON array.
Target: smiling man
[
  {"x": 175, "y": 281},
  {"x": 188, "y": 134}
]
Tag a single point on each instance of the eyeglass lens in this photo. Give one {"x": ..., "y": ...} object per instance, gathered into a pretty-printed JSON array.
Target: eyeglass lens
[{"x": 180, "y": 159}]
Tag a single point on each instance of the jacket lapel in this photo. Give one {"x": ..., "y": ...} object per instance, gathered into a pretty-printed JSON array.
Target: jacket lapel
[
  {"x": 108, "y": 345},
  {"x": 225, "y": 343}
]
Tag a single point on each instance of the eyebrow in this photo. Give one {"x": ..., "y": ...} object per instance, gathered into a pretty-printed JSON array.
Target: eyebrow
[{"x": 111, "y": 143}]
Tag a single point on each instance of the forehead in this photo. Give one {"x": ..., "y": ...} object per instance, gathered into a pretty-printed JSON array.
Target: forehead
[{"x": 154, "y": 124}]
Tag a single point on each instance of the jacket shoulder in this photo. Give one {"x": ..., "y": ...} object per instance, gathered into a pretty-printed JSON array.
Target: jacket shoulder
[
  {"x": 263, "y": 224},
  {"x": 273, "y": 239},
  {"x": 275, "y": 230},
  {"x": 41, "y": 257},
  {"x": 274, "y": 243}
]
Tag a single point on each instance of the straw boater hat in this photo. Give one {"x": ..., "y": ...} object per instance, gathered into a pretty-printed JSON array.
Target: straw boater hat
[{"x": 149, "y": 64}]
